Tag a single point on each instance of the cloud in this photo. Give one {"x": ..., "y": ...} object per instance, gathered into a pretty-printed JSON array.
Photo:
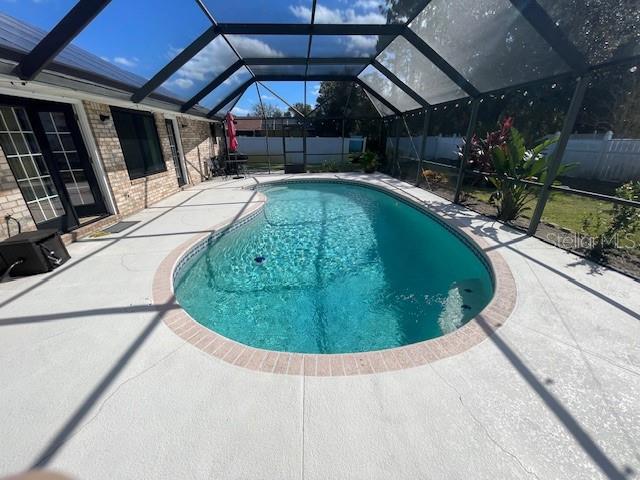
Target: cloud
[
  {"x": 369, "y": 4},
  {"x": 312, "y": 96},
  {"x": 360, "y": 45},
  {"x": 126, "y": 62},
  {"x": 252, "y": 47},
  {"x": 337, "y": 15},
  {"x": 183, "y": 83},
  {"x": 241, "y": 112},
  {"x": 216, "y": 57}
]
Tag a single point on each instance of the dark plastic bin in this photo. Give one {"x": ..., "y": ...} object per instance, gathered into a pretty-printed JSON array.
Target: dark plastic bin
[{"x": 40, "y": 251}]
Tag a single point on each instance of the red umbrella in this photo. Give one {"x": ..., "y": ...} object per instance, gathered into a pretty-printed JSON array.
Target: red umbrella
[{"x": 231, "y": 133}]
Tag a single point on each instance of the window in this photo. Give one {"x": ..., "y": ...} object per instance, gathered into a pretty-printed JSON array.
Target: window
[{"x": 139, "y": 141}]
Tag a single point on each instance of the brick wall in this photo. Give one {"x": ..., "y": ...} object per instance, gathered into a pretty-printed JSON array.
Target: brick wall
[
  {"x": 198, "y": 147},
  {"x": 12, "y": 201},
  {"x": 130, "y": 195}
]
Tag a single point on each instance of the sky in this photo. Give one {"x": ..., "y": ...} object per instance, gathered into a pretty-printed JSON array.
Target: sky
[{"x": 141, "y": 36}]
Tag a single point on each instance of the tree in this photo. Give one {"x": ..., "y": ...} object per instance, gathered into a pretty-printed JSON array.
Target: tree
[
  {"x": 266, "y": 110},
  {"x": 303, "y": 108},
  {"x": 338, "y": 100}
]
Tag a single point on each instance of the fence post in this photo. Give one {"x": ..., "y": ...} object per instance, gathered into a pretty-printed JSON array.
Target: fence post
[
  {"x": 558, "y": 153},
  {"x": 342, "y": 151},
  {"x": 396, "y": 152},
  {"x": 284, "y": 145},
  {"x": 304, "y": 144},
  {"x": 467, "y": 147},
  {"x": 423, "y": 146}
]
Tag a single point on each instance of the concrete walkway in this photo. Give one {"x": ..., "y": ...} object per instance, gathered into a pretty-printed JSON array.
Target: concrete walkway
[{"x": 93, "y": 384}]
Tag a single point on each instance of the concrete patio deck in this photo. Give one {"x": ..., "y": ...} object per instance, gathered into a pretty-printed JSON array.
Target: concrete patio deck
[{"x": 94, "y": 384}]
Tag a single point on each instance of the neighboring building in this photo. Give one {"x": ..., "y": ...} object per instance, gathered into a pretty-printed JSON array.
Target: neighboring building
[{"x": 78, "y": 155}]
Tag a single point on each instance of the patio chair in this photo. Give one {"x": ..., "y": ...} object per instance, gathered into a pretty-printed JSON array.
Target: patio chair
[{"x": 216, "y": 168}]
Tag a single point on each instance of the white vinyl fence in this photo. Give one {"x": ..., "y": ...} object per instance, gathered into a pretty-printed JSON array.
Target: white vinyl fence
[
  {"x": 319, "y": 149},
  {"x": 596, "y": 156},
  {"x": 602, "y": 157}
]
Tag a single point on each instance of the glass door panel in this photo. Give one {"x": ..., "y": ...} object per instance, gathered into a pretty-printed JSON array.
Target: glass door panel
[
  {"x": 60, "y": 135},
  {"x": 29, "y": 168},
  {"x": 46, "y": 154},
  {"x": 66, "y": 158}
]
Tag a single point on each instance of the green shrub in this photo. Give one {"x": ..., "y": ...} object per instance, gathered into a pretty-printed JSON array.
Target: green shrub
[
  {"x": 369, "y": 161},
  {"x": 624, "y": 223}
]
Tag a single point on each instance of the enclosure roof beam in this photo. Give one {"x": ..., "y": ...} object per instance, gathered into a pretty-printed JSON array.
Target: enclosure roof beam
[
  {"x": 302, "y": 78},
  {"x": 552, "y": 34},
  {"x": 174, "y": 65},
  {"x": 238, "y": 91},
  {"x": 399, "y": 83},
  {"x": 379, "y": 97},
  {"x": 303, "y": 61},
  {"x": 59, "y": 37},
  {"x": 308, "y": 29},
  {"x": 413, "y": 38},
  {"x": 211, "y": 86}
]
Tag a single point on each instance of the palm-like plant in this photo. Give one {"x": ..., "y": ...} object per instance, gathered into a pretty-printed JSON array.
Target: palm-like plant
[{"x": 511, "y": 164}]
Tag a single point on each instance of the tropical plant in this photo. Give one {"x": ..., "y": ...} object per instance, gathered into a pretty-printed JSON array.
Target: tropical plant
[
  {"x": 369, "y": 161},
  {"x": 480, "y": 149},
  {"x": 511, "y": 164}
]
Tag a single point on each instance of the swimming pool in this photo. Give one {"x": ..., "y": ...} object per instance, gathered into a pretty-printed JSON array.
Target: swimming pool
[{"x": 335, "y": 268}]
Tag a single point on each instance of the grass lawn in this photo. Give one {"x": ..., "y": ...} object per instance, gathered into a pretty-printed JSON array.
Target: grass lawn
[{"x": 564, "y": 210}]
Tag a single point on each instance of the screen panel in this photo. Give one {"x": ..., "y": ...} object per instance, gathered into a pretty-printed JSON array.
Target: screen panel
[
  {"x": 233, "y": 82},
  {"x": 366, "y": 11},
  {"x": 270, "y": 46},
  {"x": 229, "y": 106},
  {"x": 380, "y": 107},
  {"x": 138, "y": 37},
  {"x": 277, "y": 69},
  {"x": 385, "y": 87},
  {"x": 204, "y": 67},
  {"x": 260, "y": 11},
  {"x": 326, "y": 46},
  {"x": 33, "y": 14},
  {"x": 488, "y": 41},
  {"x": 292, "y": 92},
  {"x": 602, "y": 30},
  {"x": 419, "y": 73},
  {"x": 353, "y": 70}
]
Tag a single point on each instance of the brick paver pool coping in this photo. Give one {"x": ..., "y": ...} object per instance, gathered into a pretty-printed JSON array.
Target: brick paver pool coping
[{"x": 472, "y": 333}]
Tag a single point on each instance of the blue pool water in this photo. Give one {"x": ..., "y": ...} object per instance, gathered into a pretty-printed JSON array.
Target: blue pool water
[{"x": 335, "y": 268}]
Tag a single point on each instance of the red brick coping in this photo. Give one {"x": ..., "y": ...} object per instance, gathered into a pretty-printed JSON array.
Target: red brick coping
[{"x": 472, "y": 333}]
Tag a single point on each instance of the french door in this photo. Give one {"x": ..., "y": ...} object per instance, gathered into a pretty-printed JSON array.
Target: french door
[{"x": 45, "y": 151}]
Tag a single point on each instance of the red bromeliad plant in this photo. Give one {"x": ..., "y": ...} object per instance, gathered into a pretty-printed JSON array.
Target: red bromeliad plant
[{"x": 480, "y": 154}]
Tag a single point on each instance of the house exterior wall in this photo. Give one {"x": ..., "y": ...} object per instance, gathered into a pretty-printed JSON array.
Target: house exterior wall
[
  {"x": 130, "y": 195},
  {"x": 198, "y": 147}
]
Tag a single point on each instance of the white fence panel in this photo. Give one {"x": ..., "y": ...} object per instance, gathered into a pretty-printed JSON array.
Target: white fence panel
[
  {"x": 597, "y": 157},
  {"x": 601, "y": 157},
  {"x": 437, "y": 148},
  {"x": 319, "y": 149}
]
